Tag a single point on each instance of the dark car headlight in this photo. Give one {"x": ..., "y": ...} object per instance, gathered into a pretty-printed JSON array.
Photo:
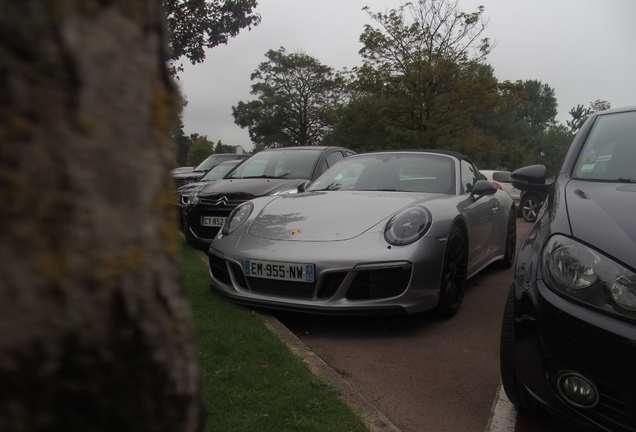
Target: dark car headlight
[
  {"x": 407, "y": 226},
  {"x": 237, "y": 218},
  {"x": 193, "y": 198},
  {"x": 584, "y": 274}
]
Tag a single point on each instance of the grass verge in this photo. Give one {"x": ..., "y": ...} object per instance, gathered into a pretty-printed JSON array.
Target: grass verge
[{"x": 252, "y": 382}]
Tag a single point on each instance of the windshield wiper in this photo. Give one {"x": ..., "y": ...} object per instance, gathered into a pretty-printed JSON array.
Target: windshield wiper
[
  {"x": 331, "y": 187},
  {"x": 625, "y": 180},
  {"x": 263, "y": 176}
]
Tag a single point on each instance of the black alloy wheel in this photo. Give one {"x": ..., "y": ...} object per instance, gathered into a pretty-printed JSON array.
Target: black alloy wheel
[{"x": 454, "y": 273}]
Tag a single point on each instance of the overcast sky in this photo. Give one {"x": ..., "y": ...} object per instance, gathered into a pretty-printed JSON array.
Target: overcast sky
[{"x": 584, "y": 49}]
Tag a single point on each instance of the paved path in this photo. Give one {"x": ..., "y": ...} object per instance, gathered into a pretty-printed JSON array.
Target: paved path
[{"x": 419, "y": 373}]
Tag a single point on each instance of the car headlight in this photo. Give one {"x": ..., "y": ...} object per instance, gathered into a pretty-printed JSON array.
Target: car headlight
[
  {"x": 407, "y": 226},
  {"x": 583, "y": 274},
  {"x": 238, "y": 216},
  {"x": 193, "y": 198}
]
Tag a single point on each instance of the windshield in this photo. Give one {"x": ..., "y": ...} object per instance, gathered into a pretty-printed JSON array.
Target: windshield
[
  {"x": 407, "y": 172},
  {"x": 284, "y": 164},
  {"x": 219, "y": 171},
  {"x": 609, "y": 153}
]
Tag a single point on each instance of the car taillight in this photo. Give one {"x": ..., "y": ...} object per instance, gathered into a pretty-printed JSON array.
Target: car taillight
[{"x": 497, "y": 184}]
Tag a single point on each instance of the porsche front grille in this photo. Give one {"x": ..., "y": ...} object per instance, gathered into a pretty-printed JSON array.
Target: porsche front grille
[{"x": 367, "y": 284}]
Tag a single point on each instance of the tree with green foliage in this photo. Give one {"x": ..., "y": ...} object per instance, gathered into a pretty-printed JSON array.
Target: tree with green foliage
[
  {"x": 182, "y": 142},
  {"x": 224, "y": 148},
  {"x": 539, "y": 107},
  {"x": 549, "y": 148},
  {"x": 200, "y": 149},
  {"x": 296, "y": 98},
  {"x": 194, "y": 25},
  {"x": 580, "y": 114},
  {"x": 422, "y": 73}
]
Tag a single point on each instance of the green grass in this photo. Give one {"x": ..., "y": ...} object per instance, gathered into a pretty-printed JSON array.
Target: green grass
[{"x": 252, "y": 381}]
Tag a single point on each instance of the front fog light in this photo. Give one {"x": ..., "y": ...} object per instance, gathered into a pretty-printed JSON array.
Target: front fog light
[{"x": 577, "y": 390}]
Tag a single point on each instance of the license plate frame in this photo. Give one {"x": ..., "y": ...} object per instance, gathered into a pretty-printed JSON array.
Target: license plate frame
[
  {"x": 277, "y": 270},
  {"x": 213, "y": 221}
]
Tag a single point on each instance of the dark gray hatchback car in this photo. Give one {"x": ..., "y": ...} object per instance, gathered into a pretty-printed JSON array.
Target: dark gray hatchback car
[
  {"x": 184, "y": 177},
  {"x": 568, "y": 341}
]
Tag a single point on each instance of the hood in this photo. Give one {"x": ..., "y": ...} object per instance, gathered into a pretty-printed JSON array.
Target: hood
[
  {"x": 602, "y": 214},
  {"x": 327, "y": 216},
  {"x": 191, "y": 187},
  {"x": 249, "y": 188},
  {"x": 189, "y": 175}
]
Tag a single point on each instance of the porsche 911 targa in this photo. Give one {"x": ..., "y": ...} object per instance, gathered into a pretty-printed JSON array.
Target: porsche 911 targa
[{"x": 378, "y": 233}]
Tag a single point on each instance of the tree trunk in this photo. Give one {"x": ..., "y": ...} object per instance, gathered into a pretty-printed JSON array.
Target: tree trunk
[{"x": 95, "y": 327}]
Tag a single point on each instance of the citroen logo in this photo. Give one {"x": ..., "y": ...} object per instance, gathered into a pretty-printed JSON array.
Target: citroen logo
[{"x": 221, "y": 201}]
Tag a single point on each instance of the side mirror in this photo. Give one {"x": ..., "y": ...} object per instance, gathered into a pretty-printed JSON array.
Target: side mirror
[
  {"x": 482, "y": 188},
  {"x": 530, "y": 178},
  {"x": 303, "y": 186}
]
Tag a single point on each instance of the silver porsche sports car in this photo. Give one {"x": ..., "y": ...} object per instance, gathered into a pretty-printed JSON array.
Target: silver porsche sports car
[{"x": 385, "y": 232}]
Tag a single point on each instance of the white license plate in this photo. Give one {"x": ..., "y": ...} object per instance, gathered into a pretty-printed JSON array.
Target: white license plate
[
  {"x": 279, "y": 270},
  {"x": 212, "y": 221}
]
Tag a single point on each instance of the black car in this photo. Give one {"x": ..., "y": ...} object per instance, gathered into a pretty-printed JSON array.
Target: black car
[
  {"x": 216, "y": 173},
  {"x": 269, "y": 172},
  {"x": 183, "y": 177},
  {"x": 568, "y": 340}
]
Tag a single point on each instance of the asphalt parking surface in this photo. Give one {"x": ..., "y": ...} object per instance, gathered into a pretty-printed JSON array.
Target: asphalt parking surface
[{"x": 419, "y": 373}]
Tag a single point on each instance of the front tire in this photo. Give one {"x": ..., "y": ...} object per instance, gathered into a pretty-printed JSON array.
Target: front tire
[
  {"x": 454, "y": 273},
  {"x": 516, "y": 392}
]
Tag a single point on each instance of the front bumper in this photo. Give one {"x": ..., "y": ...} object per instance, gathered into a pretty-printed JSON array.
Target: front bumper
[
  {"x": 554, "y": 336},
  {"x": 350, "y": 278}
]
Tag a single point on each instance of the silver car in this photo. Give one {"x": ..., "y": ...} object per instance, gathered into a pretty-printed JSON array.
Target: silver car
[
  {"x": 501, "y": 179},
  {"x": 385, "y": 232}
]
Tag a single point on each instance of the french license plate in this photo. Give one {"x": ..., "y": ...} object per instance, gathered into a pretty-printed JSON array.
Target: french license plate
[
  {"x": 212, "y": 221},
  {"x": 279, "y": 270}
]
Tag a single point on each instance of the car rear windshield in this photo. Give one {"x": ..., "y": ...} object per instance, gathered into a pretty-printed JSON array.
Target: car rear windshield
[
  {"x": 609, "y": 152},
  {"x": 501, "y": 176}
]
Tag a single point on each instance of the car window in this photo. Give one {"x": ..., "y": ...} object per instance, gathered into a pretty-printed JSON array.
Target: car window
[
  {"x": 609, "y": 152},
  {"x": 383, "y": 172},
  {"x": 218, "y": 171},
  {"x": 333, "y": 158},
  {"x": 470, "y": 175},
  {"x": 501, "y": 176},
  {"x": 288, "y": 164}
]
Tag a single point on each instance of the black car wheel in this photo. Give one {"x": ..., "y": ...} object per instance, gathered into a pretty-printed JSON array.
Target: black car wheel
[
  {"x": 530, "y": 206},
  {"x": 516, "y": 392},
  {"x": 453, "y": 274},
  {"x": 511, "y": 242}
]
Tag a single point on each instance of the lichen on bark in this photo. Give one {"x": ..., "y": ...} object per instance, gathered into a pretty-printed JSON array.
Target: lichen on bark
[{"x": 96, "y": 332}]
